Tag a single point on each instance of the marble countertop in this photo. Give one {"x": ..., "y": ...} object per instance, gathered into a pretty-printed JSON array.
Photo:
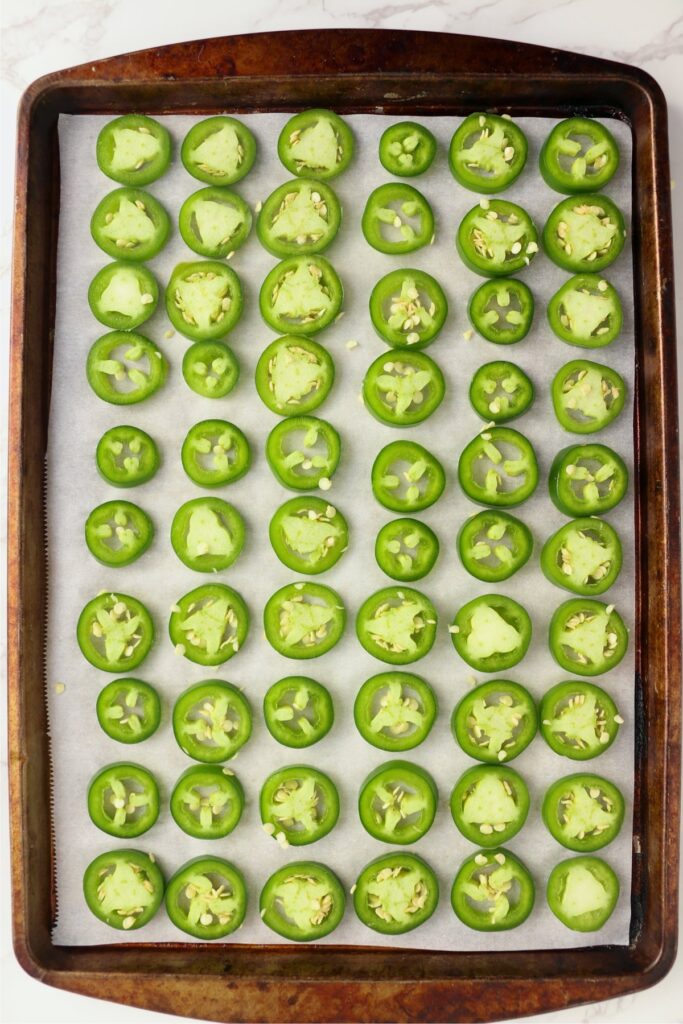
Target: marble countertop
[{"x": 39, "y": 36}]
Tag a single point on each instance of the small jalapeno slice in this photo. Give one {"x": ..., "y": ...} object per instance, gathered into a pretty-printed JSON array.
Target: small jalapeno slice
[
  {"x": 395, "y": 893},
  {"x": 298, "y": 711},
  {"x": 294, "y": 375},
  {"x": 498, "y": 467},
  {"x": 397, "y": 219},
  {"x": 406, "y": 149},
  {"x": 207, "y": 534},
  {"x": 211, "y": 721},
  {"x": 209, "y": 624},
  {"x": 207, "y": 801},
  {"x": 587, "y": 479},
  {"x": 128, "y": 710},
  {"x": 124, "y": 888},
  {"x": 493, "y": 891},
  {"x": 298, "y": 804},
  {"x": 501, "y": 391},
  {"x": 496, "y": 238},
  {"x": 124, "y": 368},
  {"x": 587, "y": 396},
  {"x": 502, "y": 311},
  {"x": 586, "y": 311},
  {"x": 316, "y": 143},
  {"x": 397, "y": 625},
  {"x": 406, "y": 477},
  {"x": 129, "y": 224},
  {"x": 204, "y": 299},
  {"x": 587, "y": 637},
  {"x": 395, "y": 711},
  {"x": 496, "y": 721},
  {"x": 490, "y": 804},
  {"x": 133, "y": 149},
  {"x": 115, "y": 632},
  {"x": 584, "y": 233},
  {"x": 118, "y": 532},
  {"x": 583, "y": 812},
  {"x": 207, "y": 898},
  {"x": 214, "y": 222},
  {"x": 303, "y": 901},
  {"x": 406, "y": 549},
  {"x": 494, "y": 545},
  {"x": 308, "y": 535},
  {"x": 303, "y": 452},
  {"x": 582, "y": 893},
  {"x": 579, "y": 720},
  {"x": 126, "y": 456},
  {"x": 298, "y": 217},
  {"x": 210, "y": 369},
  {"x": 218, "y": 150},
  {"x": 491, "y": 633},
  {"x": 304, "y": 620},
  {"x": 583, "y": 556},
  {"x": 215, "y": 453},
  {"x": 397, "y": 802},
  {"x": 408, "y": 308},
  {"x": 123, "y": 800},
  {"x": 487, "y": 153},
  {"x": 301, "y": 295},
  {"x": 123, "y": 296},
  {"x": 579, "y": 155},
  {"x": 403, "y": 391}
]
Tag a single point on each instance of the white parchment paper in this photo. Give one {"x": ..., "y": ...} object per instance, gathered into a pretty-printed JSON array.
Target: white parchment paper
[{"x": 77, "y": 420}]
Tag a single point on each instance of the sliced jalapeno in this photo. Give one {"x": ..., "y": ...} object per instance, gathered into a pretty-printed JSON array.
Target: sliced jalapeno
[
  {"x": 129, "y": 710},
  {"x": 299, "y": 803},
  {"x": 491, "y": 633},
  {"x": 408, "y": 308},
  {"x": 406, "y": 549},
  {"x": 303, "y": 452},
  {"x": 303, "y": 901},
  {"x": 123, "y": 296},
  {"x": 133, "y": 149},
  {"x": 584, "y": 812},
  {"x": 496, "y": 238},
  {"x": 123, "y": 800},
  {"x": 586, "y": 311},
  {"x": 215, "y": 453},
  {"x": 395, "y": 893},
  {"x": 579, "y": 155},
  {"x": 300, "y": 216},
  {"x": 316, "y": 142},
  {"x": 406, "y": 477},
  {"x": 398, "y": 802},
  {"x": 494, "y": 545},
  {"x": 219, "y": 150},
  {"x": 579, "y": 720},
  {"x": 500, "y": 391},
  {"x": 584, "y": 233},
  {"x": 304, "y": 620},
  {"x": 490, "y": 804},
  {"x": 587, "y": 396},
  {"x": 294, "y": 375},
  {"x": 123, "y": 888},
  {"x": 207, "y": 534},
  {"x": 502, "y": 311},
  {"x": 115, "y": 632},
  {"x": 404, "y": 391},
  {"x": 496, "y": 721},
  {"x": 493, "y": 891},
  {"x": 397, "y": 625},
  {"x": 214, "y": 222},
  {"x": 487, "y": 153},
  {"x": 301, "y": 295},
  {"x": 126, "y": 456},
  {"x": 395, "y": 710},
  {"x": 124, "y": 368},
  {"x": 210, "y": 369},
  {"x": 583, "y": 556},
  {"x": 308, "y": 535},
  {"x": 209, "y": 624},
  {"x": 498, "y": 467},
  {"x": 397, "y": 219},
  {"x": 129, "y": 224},
  {"x": 407, "y": 149},
  {"x": 211, "y": 721},
  {"x": 207, "y": 898},
  {"x": 587, "y": 479},
  {"x": 587, "y": 637},
  {"x": 298, "y": 711},
  {"x": 207, "y": 800},
  {"x": 118, "y": 532},
  {"x": 204, "y": 299},
  {"x": 582, "y": 893}
]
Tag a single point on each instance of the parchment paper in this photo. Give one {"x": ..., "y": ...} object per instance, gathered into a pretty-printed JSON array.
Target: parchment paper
[{"x": 77, "y": 420}]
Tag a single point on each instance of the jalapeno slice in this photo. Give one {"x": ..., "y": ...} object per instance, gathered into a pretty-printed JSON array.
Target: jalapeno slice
[
  {"x": 210, "y": 369},
  {"x": 123, "y": 800},
  {"x": 582, "y": 893},
  {"x": 123, "y": 296},
  {"x": 207, "y": 801},
  {"x": 207, "y": 898},
  {"x": 395, "y": 893},
  {"x": 406, "y": 477},
  {"x": 583, "y": 812},
  {"x": 584, "y": 233},
  {"x": 298, "y": 217},
  {"x": 494, "y": 545},
  {"x": 294, "y": 375},
  {"x": 579, "y": 720},
  {"x": 209, "y": 624},
  {"x": 317, "y": 143},
  {"x": 397, "y": 625},
  {"x": 115, "y": 632},
  {"x": 490, "y": 804},
  {"x": 304, "y": 620},
  {"x": 303, "y": 901},
  {"x": 123, "y": 888},
  {"x": 407, "y": 149},
  {"x": 406, "y": 549},
  {"x": 118, "y": 532},
  {"x": 403, "y": 391},
  {"x": 214, "y": 222},
  {"x": 579, "y": 155},
  {"x": 395, "y": 711},
  {"x": 583, "y": 556},
  {"x": 496, "y": 721},
  {"x": 298, "y": 711},
  {"x": 500, "y": 392},
  {"x": 302, "y": 294},
  {"x": 498, "y": 467},
  {"x": 502, "y": 311},
  {"x": 587, "y": 479},
  {"x": 215, "y": 453},
  {"x": 493, "y": 891},
  {"x": 204, "y": 299},
  {"x": 587, "y": 396},
  {"x": 124, "y": 368},
  {"x": 397, "y": 802},
  {"x": 487, "y": 153},
  {"x": 408, "y": 308},
  {"x": 587, "y": 637},
  {"x": 219, "y": 150},
  {"x": 128, "y": 710},
  {"x": 133, "y": 149},
  {"x": 207, "y": 534},
  {"x": 129, "y": 224},
  {"x": 496, "y": 238},
  {"x": 303, "y": 452},
  {"x": 308, "y": 535},
  {"x": 397, "y": 219},
  {"x": 491, "y": 633},
  {"x": 298, "y": 804},
  {"x": 211, "y": 721},
  {"x": 126, "y": 456},
  {"x": 586, "y": 311}
]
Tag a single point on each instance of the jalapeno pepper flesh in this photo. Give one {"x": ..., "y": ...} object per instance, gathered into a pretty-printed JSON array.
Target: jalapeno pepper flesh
[
  {"x": 122, "y": 295},
  {"x": 207, "y": 534},
  {"x": 123, "y": 800},
  {"x": 584, "y": 233},
  {"x": 502, "y": 311},
  {"x": 211, "y": 721},
  {"x": 207, "y": 898},
  {"x": 209, "y": 624},
  {"x": 298, "y": 711},
  {"x": 299, "y": 804},
  {"x": 489, "y": 804},
  {"x": 124, "y": 368},
  {"x": 215, "y": 453},
  {"x": 207, "y": 801},
  {"x": 397, "y": 802},
  {"x": 303, "y": 452},
  {"x": 498, "y": 467},
  {"x": 491, "y": 633},
  {"x": 583, "y": 812},
  {"x": 403, "y": 391},
  {"x": 210, "y": 369},
  {"x": 493, "y": 545},
  {"x": 126, "y": 456},
  {"x": 395, "y": 893},
  {"x": 308, "y": 535},
  {"x": 397, "y": 625},
  {"x": 301, "y": 295},
  {"x": 118, "y": 532},
  {"x": 582, "y": 893},
  {"x": 587, "y": 396},
  {"x": 133, "y": 149},
  {"x": 397, "y": 219},
  {"x": 496, "y": 721},
  {"x": 214, "y": 222},
  {"x": 406, "y": 477},
  {"x": 587, "y": 637},
  {"x": 487, "y": 153},
  {"x": 300, "y": 216},
  {"x": 493, "y": 891},
  {"x": 294, "y": 375},
  {"x": 408, "y": 308},
  {"x": 579, "y": 155},
  {"x": 219, "y": 150},
  {"x": 395, "y": 711},
  {"x": 586, "y": 311},
  {"x": 115, "y": 632},
  {"x": 497, "y": 238},
  {"x": 579, "y": 720},
  {"x": 587, "y": 479},
  {"x": 123, "y": 888},
  {"x": 303, "y": 901},
  {"x": 407, "y": 149},
  {"x": 129, "y": 224},
  {"x": 204, "y": 299},
  {"x": 316, "y": 143},
  {"x": 583, "y": 556},
  {"x": 128, "y": 710},
  {"x": 304, "y": 620},
  {"x": 500, "y": 392},
  {"x": 406, "y": 549}
]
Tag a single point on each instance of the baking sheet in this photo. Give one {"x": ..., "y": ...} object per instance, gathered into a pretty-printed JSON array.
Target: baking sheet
[{"x": 77, "y": 420}]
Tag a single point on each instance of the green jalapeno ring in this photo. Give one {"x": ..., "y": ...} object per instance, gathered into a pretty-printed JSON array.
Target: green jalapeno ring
[
  {"x": 497, "y": 449},
  {"x": 207, "y": 534},
  {"x": 578, "y": 719},
  {"x": 395, "y": 893},
  {"x": 298, "y": 711},
  {"x": 495, "y": 157},
  {"x": 397, "y": 219},
  {"x": 493, "y": 545},
  {"x": 128, "y": 710},
  {"x": 502, "y": 310},
  {"x": 214, "y": 222},
  {"x": 397, "y": 802},
  {"x": 301, "y": 216},
  {"x": 212, "y": 720},
  {"x": 404, "y": 390},
  {"x": 304, "y": 620},
  {"x": 115, "y": 889},
  {"x": 397, "y": 625},
  {"x": 500, "y": 391},
  {"x": 406, "y": 549},
  {"x": 123, "y": 800},
  {"x": 207, "y": 898},
  {"x": 495, "y": 721},
  {"x": 583, "y": 812},
  {"x": 587, "y": 479},
  {"x": 204, "y": 299},
  {"x": 308, "y": 534},
  {"x": 210, "y": 369},
  {"x": 316, "y": 143},
  {"x": 301, "y": 295},
  {"x": 133, "y": 149},
  {"x": 299, "y": 805},
  {"x": 564, "y": 164},
  {"x": 480, "y": 891},
  {"x": 583, "y": 556},
  {"x": 118, "y": 532},
  {"x": 129, "y": 224},
  {"x": 489, "y": 804},
  {"x": 304, "y": 466},
  {"x": 209, "y": 624},
  {"x": 395, "y": 711},
  {"x": 587, "y": 396},
  {"x": 126, "y": 456},
  {"x": 587, "y": 637},
  {"x": 491, "y": 633},
  {"x": 582, "y": 893},
  {"x": 207, "y": 801},
  {"x": 407, "y": 149},
  {"x": 215, "y": 453},
  {"x": 294, "y": 375},
  {"x": 584, "y": 233},
  {"x": 586, "y": 311},
  {"x": 496, "y": 238},
  {"x": 124, "y": 368},
  {"x": 303, "y": 901},
  {"x": 115, "y": 632},
  {"x": 408, "y": 308},
  {"x": 406, "y": 477},
  {"x": 218, "y": 150},
  {"x": 123, "y": 295}
]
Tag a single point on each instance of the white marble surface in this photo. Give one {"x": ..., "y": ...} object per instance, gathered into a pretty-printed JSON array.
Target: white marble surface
[{"x": 39, "y": 36}]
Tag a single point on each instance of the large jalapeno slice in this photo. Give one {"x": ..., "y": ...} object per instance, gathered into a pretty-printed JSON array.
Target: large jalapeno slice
[
  {"x": 124, "y": 368},
  {"x": 493, "y": 545},
  {"x": 587, "y": 637},
  {"x": 582, "y": 893},
  {"x": 586, "y": 311},
  {"x": 210, "y": 369},
  {"x": 579, "y": 720},
  {"x": 397, "y": 802},
  {"x": 219, "y": 150},
  {"x": 118, "y": 532},
  {"x": 304, "y": 620},
  {"x": 294, "y": 375},
  {"x": 124, "y": 888},
  {"x": 496, "y": 721},
  {"x": 301, "y": 295},
  {"x": 406, "y": 149},
  {"x": 207, "y": 534},
  {"x": 587, "y": 479},
  {"x": 126, "y": 456},
  {"x": 397, "y": 219},
  {"x": 123, "y": 800},
  {"x": 316, "y": 143},
  {"x": 215, "y": 453},
  {"x": 493, "y": 891},
  {"x": 406, "y": 549},
  {"x": 487, "y": 153},
  {"x": 496, "y": 238},
  {"x": 587, "y": 396},
  {"x": 583, "y": 556},
  {"x": 298, "y": 711},
  {"x": 298, "y": 217},
  {"x": 403, "y": 391},
  {"x": 395, "y": 711},
  {"x": 209, "y": 624},
  {"x": 129, "y": 224},
  {"x": 303, "y": 452},
  {"x": 203, "y": 299},
  {"x": 303, "y": 901},
  {"x": 207, "y": 801},
  {"x": 584, "y": 233},
  {"x": 406, "y": 477},
  {"x": 128, "y": 710},
  {"x": 408, "y": 308},
  {"x": 211, "y": 721},
  {"x": 207, "y": 898},
  {"x": 500, "y": 391},
  {"x": 490, "y": 804},
  {"x": 397, "y": 625},
  {"x": 502, "y": 311},
  {"x": 299, "y": 805},
  {"x": 584, "y": 812},
  {"x": 133, "y": 149},
  {"x": 395, "y": 893},
  {"x": 214, "y": 222},
  {"x": 123, "y": 295},
  {"x": 115, "y": 632},
  {"x": 579, "y": 155},
  {"x": 491, "y": 633},
  {"x": 308, "y": 535},
  {"x": 498, "y": 467}
]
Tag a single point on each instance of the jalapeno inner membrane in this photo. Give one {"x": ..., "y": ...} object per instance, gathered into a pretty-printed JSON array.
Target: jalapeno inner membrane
[
  {"x": 397, "y": 802},
  {"x": 583, "y": 556},
  {"x": 207, "y": 534},
  {"x": 126, "y": 456},
  {"x": 304, "y": 620},
  {"x": 123, "y": 888},
  {"x": 586, "y": 311},
  {"x": 584, "y": 234},
  {"x": 397, "y": 626},
  {"x": 493, "y": 891},
  {"x": 587, "y": 637},
  {"x": 395, "y": 710},
  {"x": 302, "y": 294},
  {"x": 490, "y": 804},
  {"x": 294, "y": 375},
  {"x": 124, "y": 368},
  {"x": 587, "y": 396},
  {"x": 299, "y": 802},
  {"x": 583, "y": 812},
  {"x": 494, "y": 545},
  {"x": 397, "y": 219},
  {"x": 123, "y": 800},
  {"x": 129, "y": 224},
  {"x": 298, "y": 711},
  {"x": 214, "y": 222},
  {"x": 408, "y": 308},
  {"x": 495, "y": 722},
  {"x": 496, "y": 238},
  {"x": 308, "y": 534},
  {"x": 204, "y": 299},
  {"x": 122, "y": 296},
  {"x": 579, "y": 720},
  {"x": 583, "y": 892},
  {"x": 219, "y": 150},
  {"x": 316, "y": 142},
  {"x": 133, "y": 149},
  {"x": 207, "y": 801},
  {"x": 502, "y": 311}
]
